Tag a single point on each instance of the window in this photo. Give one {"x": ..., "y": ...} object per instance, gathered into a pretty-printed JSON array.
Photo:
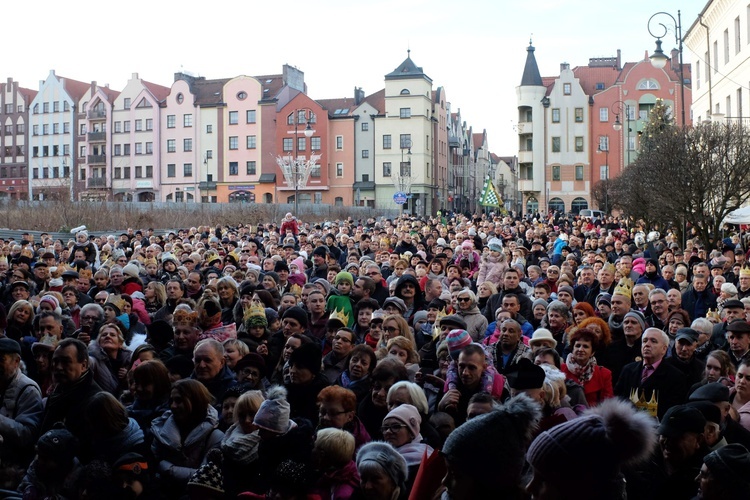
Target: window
[
  {"x": 726, "y": 46},
  {"x": 234, "y": 117},
  {"x": 171, "y": 170},
  {"x": 697, "y": 74},
  {"x": 82, "y": 151},
  {"x": 404, "y": 113},
  {"x": 365, "y": 126},
  {"x": 171, "y": 121},
  {"x": 631, "y": 143},
  {"x": 365, "y": 153},
  {"x": 36, "y": 130},
  {"x": 405, "y": 169},
  {"x": 187, "y": 170},
  {"x": 716, "y": 56},
  {"x": 139, "y": 125},
  {"x": 45, "y": 129},
  {"x": 126, "y": 126},
  {"x": 555, "y": 144},
  {"x": 171, "y": 145},
  {"x": 117, "y": 173},
  {"x": 405, "y": 141},
  {"x": 126, "y": 103},
  {"x": 55, "y": 128},
  {"x": 149, "y": 124},
  {"x": 555, "y": 115},
  {"x": 250, "y": 116},
  {"x": 603, "y": 172},
  {"x": 8, "y": 129},
  {"x": 45, "y": 150},
  {"x": 35, "y": 172},
  {"x": 556, "y": 172},
  {"x": 603, "y": 114},
  {"x": 56, "y": 107},
  {"x": 9, "y": 109},
  {"x": 149, "y": 148},
  {"x": 209, "y": 129},
  {"x": 138, "y": 172},
  {"x": 66, "y": 106},
  {"x": 737, "y": 41},
  {"x": 579, "y": 115},
  {"x": 315, "y": 143},
  {"x": 318, "y": 197},
  {"x": 566, "y": 88},
  {"x": 579, "y": 172},
  {"x": 83, "y": 129},
  {"x": 387, "y": 141},
  {"x": 45, "y": 107},
  {"x": 251, "y": 168},
  {"x": 301, "y": 143},
  {"x": 126, "y": 173},
  {"x": 339, "y": 142},
  {"x": 187, "y": 144},
  {"x": 234, "y": 142},
  {"x": 579, "y": 144},
  {"x": 603, "y": 143},
  {"x": 187, "y": 120},
  {"x": 386, "y": 169},
  {"x": 315, "y": 171},
  {"x": 35, "y": 151},
  {"x": 233, "y": 168},
  {"x": 21, "y": 128},
  {"x": 139, "y": 148},
  {"x": 209, "y": 154},
  {"x": 250, "y": 142},
  {"x": 149, "y": 171},
  {"x": 118, "y": 127},
  {"x": 118, "y": 150},
  {"x": 339, "y": 170},
  {"x": 126, "y": 149},
  {"x": 66, "y": 149},
  {"x": 288, "y": 144}
]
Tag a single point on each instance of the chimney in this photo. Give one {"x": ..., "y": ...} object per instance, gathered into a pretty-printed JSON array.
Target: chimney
[
  {"x": 359, "y": 96},
  {"x": 564, "y": 67},
  {"x": 619, "y": 59},
  {"x": 134, "y": 76},
  {"x": 675, "y": 60}
]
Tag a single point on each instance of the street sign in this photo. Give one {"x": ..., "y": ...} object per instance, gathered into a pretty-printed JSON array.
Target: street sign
[{"x": 399, "y": 198}]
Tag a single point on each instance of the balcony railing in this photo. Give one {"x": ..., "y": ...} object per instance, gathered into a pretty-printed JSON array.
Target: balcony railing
[
  {"x": 206, "y": 186},
  {"x": 96, "y": 182},
  {"x": 97, "y": 136},
  {"x": 96, "y": 113},
  {"x": 97, "y": 159}
]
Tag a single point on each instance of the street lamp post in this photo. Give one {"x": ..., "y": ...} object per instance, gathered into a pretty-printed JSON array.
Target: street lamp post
[
  {"x": 617, "y": 108},
  {"x": 402, "y": 179},
  {"x": 606, "y": 174},
  {"x": 296, "y": 171},
  {"x": 659, "y": 58}
]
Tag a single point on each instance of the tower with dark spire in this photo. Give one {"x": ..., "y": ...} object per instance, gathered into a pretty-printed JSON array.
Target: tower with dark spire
[{"x": 531, "y": 75}]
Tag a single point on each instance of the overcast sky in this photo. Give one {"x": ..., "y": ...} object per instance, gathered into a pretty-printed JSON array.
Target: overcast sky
[{"x": 475, "y": 49}]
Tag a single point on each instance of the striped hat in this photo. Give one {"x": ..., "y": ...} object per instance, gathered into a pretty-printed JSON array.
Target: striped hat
[{"x": 456, "y": 341}]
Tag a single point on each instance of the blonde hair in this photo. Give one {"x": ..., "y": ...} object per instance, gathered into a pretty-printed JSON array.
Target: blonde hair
[
  {"x": 405, "y": 344},
  {"x": 337, "y": 446},
  {"x": 248, "y": 404}
]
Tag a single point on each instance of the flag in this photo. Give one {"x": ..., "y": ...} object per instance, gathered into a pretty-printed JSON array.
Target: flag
[{"x": 490, "y": 196}]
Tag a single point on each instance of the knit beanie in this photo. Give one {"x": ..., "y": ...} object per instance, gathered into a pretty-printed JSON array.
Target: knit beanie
[
  {"x": 208, "y": 477},
  {"x": 273, "y": 414},
  {"x": 131, "y": 270},
  {"x": 639, "y": 317},
  {"x": 495, "y": 245},
  {"x": 419, "y": 316},
  {"x": 565, "y": 288},
  {"x": 407, "y": 415},
  {"x": 272, "y": 275},
  {"x": 500, "y": 436},
  {"x": 730, "y": 464},
  {"x": 344, "y": 277},
  {"x": 272, "y": 315},
  {"x": 456, "y": 340},
  {"x": 58, "y": 443},
  {"x": 298, "y": 314},
  {"x": 324, "y": 283},
  {"x": 307, "y": 356},
  {"x": 593, "y": 447},
  {"x": 50, "y": 299},
  {"x": 385, "y": 456},
  {"x": 539, "y": 302}
]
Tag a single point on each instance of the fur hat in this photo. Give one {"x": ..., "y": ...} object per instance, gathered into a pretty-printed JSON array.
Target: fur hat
[
  {"x": 386, "y": 456},
  {"x": 592, "y": 448},
  {"x": 273, "y": 414},
  {"x": 407, "y": 415},
  {"x": 307, "y": 356},
  {"x": 501, "y": 436},
  {"x": 58, "y": 443}
]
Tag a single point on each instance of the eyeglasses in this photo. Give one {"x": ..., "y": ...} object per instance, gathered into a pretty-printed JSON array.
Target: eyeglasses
[
  {"x": 100, "y": 301},
  {"x": 342, "y": 339},
  {"x": 89, "y": 318},
  {"x": 392, "y": 428},
  {"x": 464, "y": 299},
  {"x": 391, "y": 329},
  {"x": 373, "y": 273}
]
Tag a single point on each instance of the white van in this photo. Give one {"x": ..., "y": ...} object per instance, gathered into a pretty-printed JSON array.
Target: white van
[{"x": 592, "y": 214}]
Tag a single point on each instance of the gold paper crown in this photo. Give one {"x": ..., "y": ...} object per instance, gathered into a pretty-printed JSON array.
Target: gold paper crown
[
  {"x": 341, "y": 315},
  {"x": 296, "y": 290},
  {"x": 744, "y": 272},
  {"x": 255, "y": 310},
  {"x": 609, "y": 267},
  {"x": 624, "y": 288},
  {"x": 115, "y": 300},
  {"x": 436, "y": 327},
  {"x": 182, "y": 316},
  {"x": 651, "y": 406},
  {"x": 85, "y": 273}
]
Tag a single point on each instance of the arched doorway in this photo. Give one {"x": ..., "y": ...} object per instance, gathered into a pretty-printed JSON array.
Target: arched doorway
[
  {"x": 578, "y": 205},
  {"x": 532, "y": 205},
  {"x": 557, "y": 205},
  {"x": 242, "y": 197},
  {"x": 268, "y": 198}
]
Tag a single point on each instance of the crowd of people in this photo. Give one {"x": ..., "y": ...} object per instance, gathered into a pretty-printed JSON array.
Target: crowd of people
[{"x": 451, "y": 356}]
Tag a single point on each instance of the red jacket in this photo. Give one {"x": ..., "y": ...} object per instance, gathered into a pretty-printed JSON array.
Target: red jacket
[{"x": 598, "y": 388}]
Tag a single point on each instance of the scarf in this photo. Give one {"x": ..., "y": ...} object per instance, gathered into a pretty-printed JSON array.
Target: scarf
[
  {"x": 240, "y": 447},
  {"x": 614, "y": 325},
  {"x": 583, "y": 373}
]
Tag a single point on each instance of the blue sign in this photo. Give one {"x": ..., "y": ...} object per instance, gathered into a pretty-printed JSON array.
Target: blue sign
[{"x": 399, "y": 198}]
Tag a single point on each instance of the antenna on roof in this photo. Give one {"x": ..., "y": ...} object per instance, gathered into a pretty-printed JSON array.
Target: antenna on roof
[{"x": 530, "y": 39}]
